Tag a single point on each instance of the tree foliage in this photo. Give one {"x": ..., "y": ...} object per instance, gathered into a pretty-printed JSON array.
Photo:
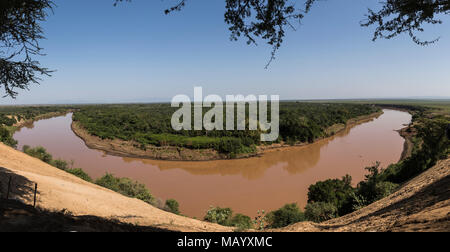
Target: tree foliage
[
  {"x": 285, "y": 216},
  {"x": 172, "y": 206},
  {"x": 20, "y": 33},
  {"x": 333, "y": 191},
  {"x": 269, "y": 19},
  {"x": 406, "y": 16},
  {"x": 221, "y": 216},
  {"x": 127, "y": 187},
  {"x": 149, "y": 124},
  {"x": 6, "y": 137},
  {"x": 320, "y": 211},
  {"x": 20, "y": 29}
]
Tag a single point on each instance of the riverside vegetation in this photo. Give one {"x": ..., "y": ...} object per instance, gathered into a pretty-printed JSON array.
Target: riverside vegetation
[
  {"x": 326, "y": 199},
  {"x": 150, "y": 125}
]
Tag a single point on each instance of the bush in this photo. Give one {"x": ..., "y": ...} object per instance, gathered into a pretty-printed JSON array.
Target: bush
[
  {"x": 39, "y": 153},
  {"x": 221, "y": 216},
  {"x": 320, "y": 211},
  {"x": 241, "y": 221},
  {"x": 127, "y": 187},
  {"x": 60, "y": 164},
  {"x": 6, "y": 137},
  {"x": 384, "y": 189},
  {"x": 172, "y": 206},
  {"x": 79, "y": 173},
  {"x": 285, "y": 216},
  {"x": 334, "y": 191},
  {"x": 373, "y": 188}
]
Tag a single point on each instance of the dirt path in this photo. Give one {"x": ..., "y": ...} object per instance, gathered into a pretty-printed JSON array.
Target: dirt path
[{"x": 59, "y": 190}]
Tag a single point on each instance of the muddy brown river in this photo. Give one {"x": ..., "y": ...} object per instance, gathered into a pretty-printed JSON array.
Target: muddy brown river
[{"x": 246, "y": 185}]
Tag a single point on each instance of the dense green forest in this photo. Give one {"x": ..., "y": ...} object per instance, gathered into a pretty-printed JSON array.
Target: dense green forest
[{"x": 150, "y": 124}]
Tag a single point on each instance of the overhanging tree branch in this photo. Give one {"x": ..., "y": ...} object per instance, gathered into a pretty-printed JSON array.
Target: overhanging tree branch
[
  {"x": 20, "y": 32},
  {"x": 406, "y": 16},
  {"x": 268, "y": 19}
]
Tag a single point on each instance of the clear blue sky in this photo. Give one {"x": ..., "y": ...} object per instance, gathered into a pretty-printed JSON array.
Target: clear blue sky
[{"x": 134, "y": 52}]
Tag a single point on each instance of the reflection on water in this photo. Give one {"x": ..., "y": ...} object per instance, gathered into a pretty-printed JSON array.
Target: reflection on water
[{"x": 246, "y": 185}]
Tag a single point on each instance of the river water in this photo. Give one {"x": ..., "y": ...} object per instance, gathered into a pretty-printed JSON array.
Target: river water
[{"x": 246, "y": 185}]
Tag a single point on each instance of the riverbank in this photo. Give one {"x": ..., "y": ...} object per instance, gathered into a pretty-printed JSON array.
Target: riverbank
[
  {"x": 408, "y": 134},
  {"x": 130, "y": 149}
]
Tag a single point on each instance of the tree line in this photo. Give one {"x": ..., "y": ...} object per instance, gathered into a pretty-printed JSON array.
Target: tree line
[{"x": 150, "y": 124}]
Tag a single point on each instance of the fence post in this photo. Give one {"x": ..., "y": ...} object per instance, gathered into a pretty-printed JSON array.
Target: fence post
[
  {"x": 35, "y": 192},
  {"x": 9, "y": 188}
]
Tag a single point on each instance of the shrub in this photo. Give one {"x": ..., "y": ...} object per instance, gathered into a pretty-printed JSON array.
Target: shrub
[
  {"x": 172, "y": 206},
  {"x": 358, "y": 202},
  {"x": 221, "y": 216},
  {"x": 241, "y": 221},
  {"x": 6, "y": 137},
  {"x": 39, "y": 153},
  {"x": 127, "y": 187},
  {"x": 261, "y": 220},
  {"x": 60, "y": 164},
  {"x": 334, "y": 191},
  {"x": 320, "y": 211},
  {"x": 374, "y": 187},
  {"x": 285, "y": 216},
  {"x": 367, "y": 188},
  {"x": 79, "y": 173},
  {"x": 384, "y": 189}
]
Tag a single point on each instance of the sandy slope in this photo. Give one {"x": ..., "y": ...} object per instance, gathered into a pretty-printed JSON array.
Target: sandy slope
[
  {"x": 422, "y": 204},
  {"x": 59, "y": 190}
]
